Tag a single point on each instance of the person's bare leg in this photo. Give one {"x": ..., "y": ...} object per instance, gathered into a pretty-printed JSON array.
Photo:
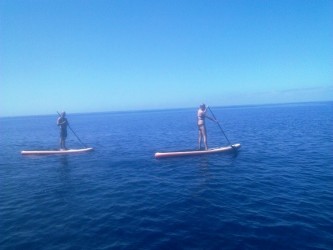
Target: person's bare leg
[
  {"x": 61, "y": 143},
  {"x": 199, "y": 139},
  {"x": 205, "y": 137}
]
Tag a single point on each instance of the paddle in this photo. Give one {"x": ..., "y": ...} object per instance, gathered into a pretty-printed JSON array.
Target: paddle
[
  {"x": 74, "y": 133},
  {"x": 220, "y": 128}
]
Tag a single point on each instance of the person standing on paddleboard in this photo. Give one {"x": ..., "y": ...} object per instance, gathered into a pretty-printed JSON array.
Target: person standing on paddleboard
[
  {"x": 62, "y": 122},
  {"x": 201, "y": 125}
]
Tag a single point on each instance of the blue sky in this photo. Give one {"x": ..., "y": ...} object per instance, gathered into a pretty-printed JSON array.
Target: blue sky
[{"x": 92, "y": 56}]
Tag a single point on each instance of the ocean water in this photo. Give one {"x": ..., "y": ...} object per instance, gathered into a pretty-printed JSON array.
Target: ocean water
[{"x": 276, "y": 193}]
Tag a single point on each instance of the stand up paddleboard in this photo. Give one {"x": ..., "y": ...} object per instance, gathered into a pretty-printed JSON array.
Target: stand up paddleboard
[
  {"x": 198, "y": 152},
  {"x": 55, "y": 152}
]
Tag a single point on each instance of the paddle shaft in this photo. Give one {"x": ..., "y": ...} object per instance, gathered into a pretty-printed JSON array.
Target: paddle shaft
[
  {"x": 219, "y": 126},
  {"x": 74, "y": 133}
]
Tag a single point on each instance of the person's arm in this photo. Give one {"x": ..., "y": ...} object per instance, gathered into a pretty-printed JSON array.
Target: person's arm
[
  {"x": 63, "y": 122},
  {"x": 210, "y": 118}
]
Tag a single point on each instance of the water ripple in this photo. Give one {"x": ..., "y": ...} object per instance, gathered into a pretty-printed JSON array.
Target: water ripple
[{"x": 275, "y": 194}]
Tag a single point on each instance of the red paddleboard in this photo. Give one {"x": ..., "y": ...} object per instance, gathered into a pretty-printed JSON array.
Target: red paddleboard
[{"x": 198, "y": 152}]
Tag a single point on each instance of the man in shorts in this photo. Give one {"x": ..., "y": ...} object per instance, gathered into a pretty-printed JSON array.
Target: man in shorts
[{"x": 62, "y": 123}]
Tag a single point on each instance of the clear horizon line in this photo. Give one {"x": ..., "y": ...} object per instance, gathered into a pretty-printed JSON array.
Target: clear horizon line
[{"x": 166, "y": 109}]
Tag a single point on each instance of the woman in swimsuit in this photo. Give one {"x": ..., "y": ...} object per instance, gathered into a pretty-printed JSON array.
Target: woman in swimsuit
[{"x": 201, "y": 125}]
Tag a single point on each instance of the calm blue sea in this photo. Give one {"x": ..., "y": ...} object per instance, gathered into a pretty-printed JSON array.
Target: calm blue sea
[{"x": 276, "y": 193}]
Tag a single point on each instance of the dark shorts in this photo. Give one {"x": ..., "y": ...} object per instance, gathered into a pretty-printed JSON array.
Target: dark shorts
[{"x": 63, "y": 133}]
